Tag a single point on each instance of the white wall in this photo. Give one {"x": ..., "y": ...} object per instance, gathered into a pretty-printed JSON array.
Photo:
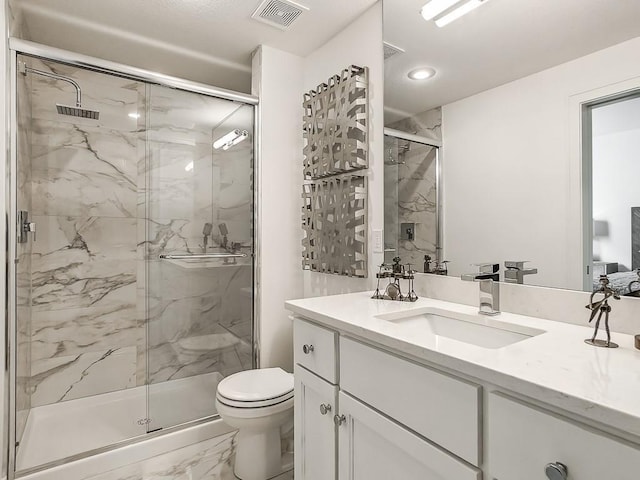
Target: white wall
[
  {"x": 511, "y": 192},
  {"x": 359, "y": 44},
  {"x": 616, "y": 172},
  {"x": 280, "y": 80},
  {"x": 277, "y": 79}
]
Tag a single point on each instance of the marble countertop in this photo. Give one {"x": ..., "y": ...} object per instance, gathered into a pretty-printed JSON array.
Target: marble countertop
[{"x": 555, "y": 367}]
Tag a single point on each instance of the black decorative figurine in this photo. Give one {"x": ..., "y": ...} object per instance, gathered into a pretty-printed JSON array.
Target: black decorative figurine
[{"x": 603, "y": 307}]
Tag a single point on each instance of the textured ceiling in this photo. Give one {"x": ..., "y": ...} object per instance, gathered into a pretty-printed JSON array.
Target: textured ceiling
[
  {"x": 209, "y": 41},
  {"x": 499, "y": 42}
]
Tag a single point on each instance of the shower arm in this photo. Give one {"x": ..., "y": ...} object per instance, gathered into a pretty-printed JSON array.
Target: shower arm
[{"x": 26, "y": 69}]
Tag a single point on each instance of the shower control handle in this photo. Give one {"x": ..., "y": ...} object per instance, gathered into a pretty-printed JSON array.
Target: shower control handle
[
  {"x": 325, "y": 408},
  {"x": 556, "y": 471},
  {"x": 307, "y": 349},
  {"x": 31, "y": 227}
]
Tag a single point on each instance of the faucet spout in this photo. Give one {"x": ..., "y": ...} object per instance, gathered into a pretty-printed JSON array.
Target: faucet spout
[{"x": 487, "y": 277}]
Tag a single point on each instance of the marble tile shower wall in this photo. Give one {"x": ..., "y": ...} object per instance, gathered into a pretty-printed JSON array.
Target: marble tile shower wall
[
  {"x": 416, "y": 190},
  {"x": 85, "y": 329},
  {"x": 199, "y": 313},
  {"x": 108, "y": 197}
]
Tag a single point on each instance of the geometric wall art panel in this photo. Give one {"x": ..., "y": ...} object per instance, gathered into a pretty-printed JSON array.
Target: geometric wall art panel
[
  {"x": 334, "y": 219},
  {"x": 335, "y": 125}
]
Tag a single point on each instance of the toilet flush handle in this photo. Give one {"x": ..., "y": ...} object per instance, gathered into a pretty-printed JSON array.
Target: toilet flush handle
[{"x": 307, "y": 349}]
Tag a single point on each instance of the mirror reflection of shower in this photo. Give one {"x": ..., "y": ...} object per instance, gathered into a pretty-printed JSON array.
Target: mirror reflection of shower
[
  {"x": 396, "y": 154},
  {"x": 411, "y": 198}
]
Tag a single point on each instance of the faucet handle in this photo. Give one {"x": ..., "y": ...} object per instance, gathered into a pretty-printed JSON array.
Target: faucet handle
[
  {"x": 516, "y": 264},
  {"x": 487, "y": 267}
]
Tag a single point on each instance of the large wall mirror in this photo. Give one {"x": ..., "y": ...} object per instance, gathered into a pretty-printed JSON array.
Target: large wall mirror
[{"x": 513, "y": 134}]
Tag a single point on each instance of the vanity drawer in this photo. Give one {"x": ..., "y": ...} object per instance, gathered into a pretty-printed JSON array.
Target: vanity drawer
[
  {"x": 439, "y": 407},
  {"x": 314, "y": 348},
  {"x": 523, "y": 440}
]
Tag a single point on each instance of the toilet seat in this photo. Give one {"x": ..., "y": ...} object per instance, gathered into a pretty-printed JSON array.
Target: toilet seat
[{"x": 259, "y": 388}]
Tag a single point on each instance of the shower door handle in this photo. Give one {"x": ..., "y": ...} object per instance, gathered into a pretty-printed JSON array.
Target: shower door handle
[
  {"x": 25, "y": 226},
  {"x": 203, "y": 256}
]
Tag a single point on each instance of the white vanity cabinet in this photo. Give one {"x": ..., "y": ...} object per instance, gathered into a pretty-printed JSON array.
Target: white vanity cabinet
[
  {"x": 375, "y": 416},
  {"x": 524, "y": 440},
  {"x": 373, "y": 447},
  {"x": 315, "y": 406},
  {"x": 366, "y": 413},
  {"x": 315, "y": 401}
]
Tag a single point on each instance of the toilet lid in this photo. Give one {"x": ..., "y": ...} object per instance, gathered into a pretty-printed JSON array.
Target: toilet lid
[{"x": 259, "y": 385}]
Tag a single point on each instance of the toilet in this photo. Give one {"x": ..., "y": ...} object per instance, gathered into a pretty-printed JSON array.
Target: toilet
[{"x": 259, "y": 403}]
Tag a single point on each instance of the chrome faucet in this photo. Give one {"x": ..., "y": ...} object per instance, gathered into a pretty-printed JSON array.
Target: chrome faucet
[
  {"x": 515, "y": 271},
  {"x": 488, "y": 278}
]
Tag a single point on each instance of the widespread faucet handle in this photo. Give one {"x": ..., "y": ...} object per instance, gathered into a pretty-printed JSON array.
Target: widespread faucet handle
[
  {"x": 487, "y": 267},
  {"x": 515, "y": 264},
  {"x": 486, "y": 271}
]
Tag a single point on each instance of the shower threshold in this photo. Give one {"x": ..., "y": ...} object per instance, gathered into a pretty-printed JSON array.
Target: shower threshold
[{"x": 61, "y": 430}]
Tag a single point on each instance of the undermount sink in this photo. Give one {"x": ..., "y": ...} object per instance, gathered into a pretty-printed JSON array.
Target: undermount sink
[{"x": 474, "y": 330}]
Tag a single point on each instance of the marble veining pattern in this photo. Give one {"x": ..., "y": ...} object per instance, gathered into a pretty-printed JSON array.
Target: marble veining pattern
[
  {"x": 65, "y": 378},
  {"x": 83, "y": 262},
  {"x": 208, "y": 460},
  {"x": 85, "y": 331}
]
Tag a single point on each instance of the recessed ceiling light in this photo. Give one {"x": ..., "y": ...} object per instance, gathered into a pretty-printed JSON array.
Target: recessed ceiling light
[
  {"x": 421, "y": 73},
  {"x": 435, "y": 7}
]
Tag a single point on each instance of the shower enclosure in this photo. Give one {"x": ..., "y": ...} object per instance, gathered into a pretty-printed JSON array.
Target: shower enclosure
[
  {"x": 132, "y": 292},
  {"x": 411, "y": 198}
]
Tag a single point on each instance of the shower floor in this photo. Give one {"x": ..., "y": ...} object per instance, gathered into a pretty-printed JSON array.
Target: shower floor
[{"x": 57, "y": 431}]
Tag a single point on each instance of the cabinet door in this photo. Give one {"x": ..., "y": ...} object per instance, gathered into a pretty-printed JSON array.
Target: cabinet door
[
  {"x": 315, "y": 431},
  {"x": 373, "y": 447},
  {"x": 523, "y": 440}
]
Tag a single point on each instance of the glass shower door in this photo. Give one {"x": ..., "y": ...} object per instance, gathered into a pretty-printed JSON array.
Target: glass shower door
[{"x": 198, "y": 255}]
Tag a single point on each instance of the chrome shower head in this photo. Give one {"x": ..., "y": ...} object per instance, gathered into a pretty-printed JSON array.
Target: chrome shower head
[{"x": 78, "y": 111}]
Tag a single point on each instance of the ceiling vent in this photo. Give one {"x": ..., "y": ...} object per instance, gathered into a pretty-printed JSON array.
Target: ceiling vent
[
  {"x": 391, "y": 50},
  {"x": 279, "y": 13}
]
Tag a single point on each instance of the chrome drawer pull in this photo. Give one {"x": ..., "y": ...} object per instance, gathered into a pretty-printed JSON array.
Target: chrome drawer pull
[
  {"x": 339, "y": 419},
  {"x": 325, "y": 408},
  {"x": 307, "y": 349},
  {"x": 556, "y": 471}
]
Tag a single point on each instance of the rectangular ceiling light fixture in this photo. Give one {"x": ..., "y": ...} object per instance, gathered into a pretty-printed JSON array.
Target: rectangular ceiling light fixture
[
  {"x": 463, "y": 9},
  {"x": 435, "y": 7},
  {"x": 230, "y": 139}
]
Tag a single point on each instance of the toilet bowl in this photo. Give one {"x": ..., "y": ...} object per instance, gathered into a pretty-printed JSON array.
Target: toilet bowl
[{"x": 259, "y": 403}]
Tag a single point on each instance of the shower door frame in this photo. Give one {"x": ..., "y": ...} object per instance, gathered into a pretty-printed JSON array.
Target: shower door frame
[{"x": 44, "y": 52}]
